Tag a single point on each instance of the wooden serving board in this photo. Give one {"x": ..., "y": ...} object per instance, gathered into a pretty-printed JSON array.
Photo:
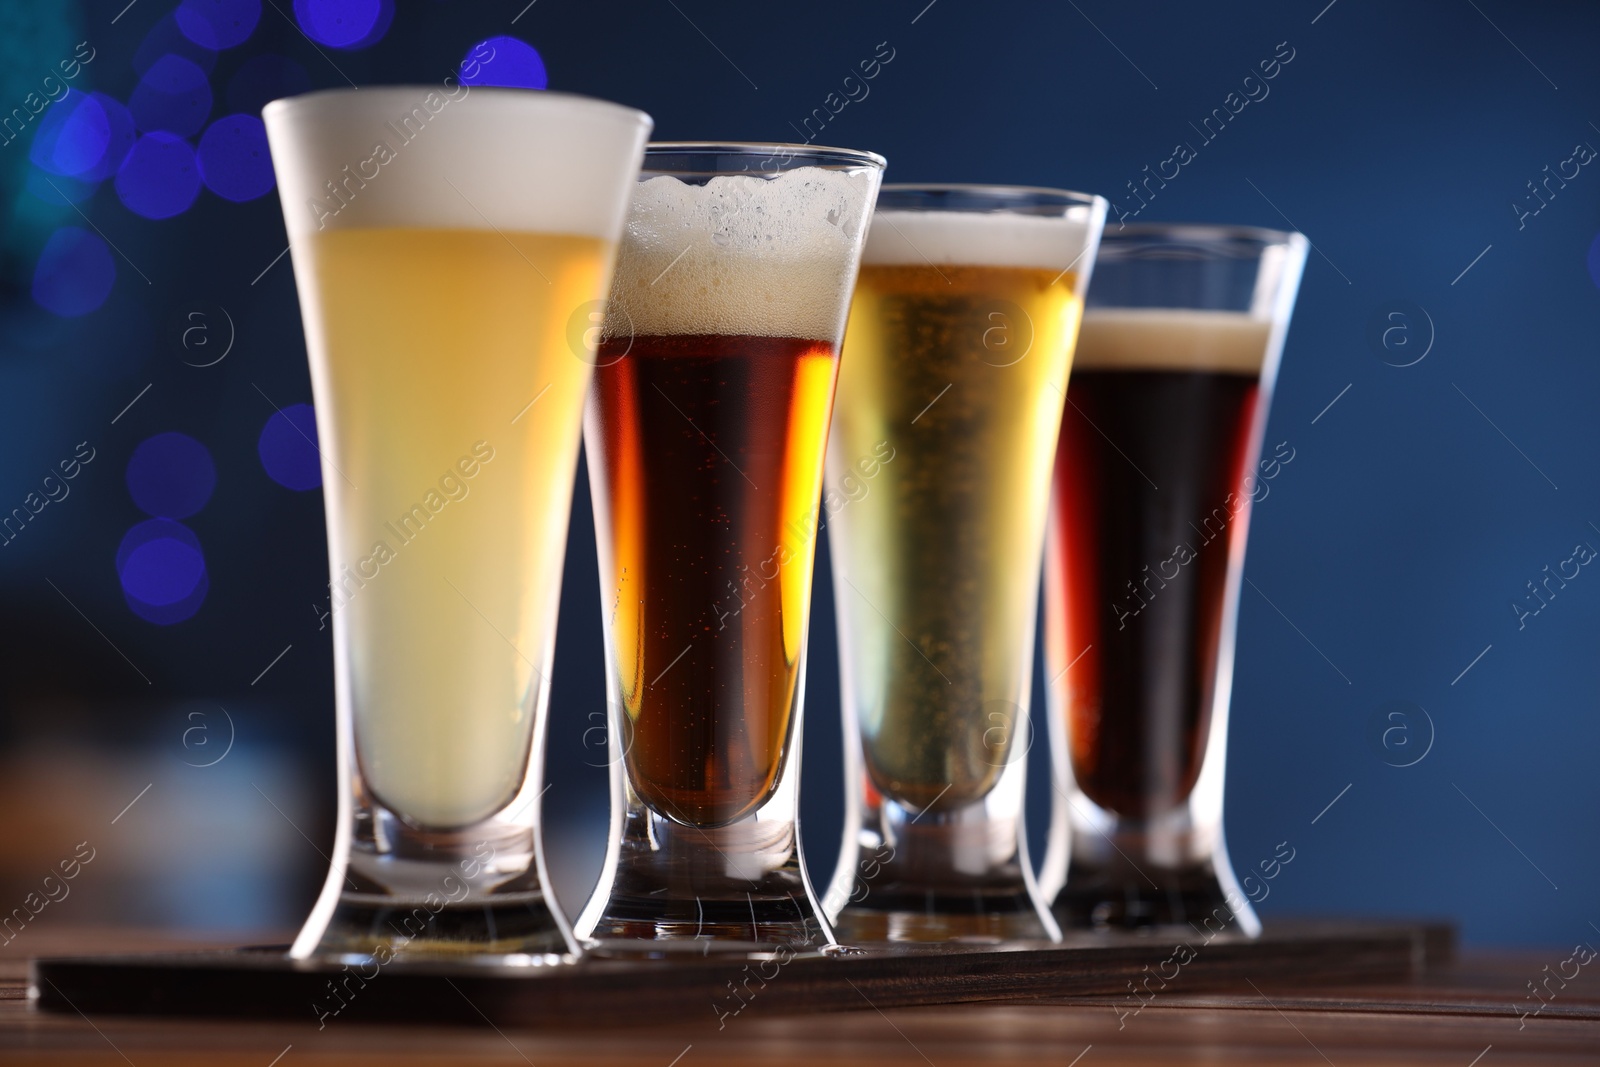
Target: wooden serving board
[{"x": 264, "y": 983}]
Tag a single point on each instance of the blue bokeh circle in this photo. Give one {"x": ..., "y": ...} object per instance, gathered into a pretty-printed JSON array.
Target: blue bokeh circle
[
  {"x": 159, "y": 177},
  {"x": 218, "y": 24},
  {"x": 74, "y": 274},
  {"x": 174, "y": 95},
  {"x": 171, "y": 475},
  {"x": 233, "y": 158},
  {"x": 162, "y": 570},
  {"x": 348, "y": 24},
  {"x": 288, "y": 448},
  {"x": 504, "y": 61}
]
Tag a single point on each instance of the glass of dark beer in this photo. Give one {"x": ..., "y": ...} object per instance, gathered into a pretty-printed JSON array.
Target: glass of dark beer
[
  {"x": 1159, "y": 461},
  {"x": 706, "y": 430}
]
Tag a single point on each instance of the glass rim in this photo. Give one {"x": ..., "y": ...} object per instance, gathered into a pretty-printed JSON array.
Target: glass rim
[
  {"x": 998, "y": 191},
  {"x": 1202, "y": 233},
  {"x": 825, "y": 154},
  {"x": 609, "y": 108}
]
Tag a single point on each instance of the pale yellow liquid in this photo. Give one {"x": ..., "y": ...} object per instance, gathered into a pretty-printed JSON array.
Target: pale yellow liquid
[
  {"x": 940, "y": 557},
  {"x": 424, "y": 343}
]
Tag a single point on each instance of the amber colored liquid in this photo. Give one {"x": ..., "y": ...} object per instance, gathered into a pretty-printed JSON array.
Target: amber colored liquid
[
  {"x": 706, "y": 457},
  {"x": 960, "y": 369}
]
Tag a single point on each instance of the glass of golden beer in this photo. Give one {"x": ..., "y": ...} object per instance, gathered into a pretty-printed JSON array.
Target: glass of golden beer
[
  {"x": 444, "y": 243},
  {"x": 705, "y": 434},
  {"x": 955, "y": 365},
  {"x": 1160, "y": 462}
]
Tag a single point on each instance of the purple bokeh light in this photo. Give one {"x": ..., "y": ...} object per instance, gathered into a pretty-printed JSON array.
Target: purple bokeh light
[
  {"x": 504, "y": 61},
  {"x": 165, "y": 37},
  {"x": 120, "y": 141},
  {"x": 74, "y": 274},
  {"x": 233, "y": 158},
  {"x": 218, "y": 24},
  {"x": 159, "y": 179},
  {"x": 288, "y": 448},
  {"x": 173, "y": 95},
  {"x": 348, "y": 24},
  {"x": 163, "y": 571},
  {"x": 75, "y": 136},
  {"x": 171, "y": 476}
]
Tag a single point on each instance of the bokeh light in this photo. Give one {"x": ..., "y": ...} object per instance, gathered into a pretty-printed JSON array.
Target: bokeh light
[
  {"x": 173, "y": 95},
  {"x": 119, "y": 143},
  {"x": 166, "y": 38},
  {"x": 344, "y": 23},
  {"x": 171, "y": 476},
  {"x": 163, "y": 571},
  {"x": 233, "y": 158},
  {"x": 511, "y": 62},
  {"x": 264, "y": 78},
  {"x": 74, "y": 274},
  {"x": 78, "y": 136},
  {"x": 288, "y": 448},
  {"x": 217, "y": 24},
  {"x": 159, "y": 179}
]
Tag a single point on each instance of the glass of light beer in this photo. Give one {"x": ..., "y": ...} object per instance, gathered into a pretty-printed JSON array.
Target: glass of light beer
[
  {"x": 444, "y": 243},
  {"x": 1159, "y": 463},
  {"x": 705, "y": 434},
  {"x": 956, "y": 360}
]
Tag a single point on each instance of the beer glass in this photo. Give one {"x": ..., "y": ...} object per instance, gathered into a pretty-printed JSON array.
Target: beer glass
[
  {"x": 444, "y": 242},
  {"x": 705, "y": 435},
  {"x": 1159, "y": 463},
  {"x": 955, "y": 364}
]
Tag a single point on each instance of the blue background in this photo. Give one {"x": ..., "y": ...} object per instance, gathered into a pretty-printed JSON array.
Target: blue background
[{"x": 1382, "y": 566}]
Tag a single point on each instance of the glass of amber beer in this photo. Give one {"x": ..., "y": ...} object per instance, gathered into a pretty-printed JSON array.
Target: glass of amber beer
[
  {"x": 955, "y": 365},
  {"x": 705, "y": 434},
  {"x": 1159, "y": 462},
  {"x": 444, "y": 241}
]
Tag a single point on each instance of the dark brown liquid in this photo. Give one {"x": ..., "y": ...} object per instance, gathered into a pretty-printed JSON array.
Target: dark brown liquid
[
  {"x": 1138, "y": 574},
  {"x": 706, "y": 458}
]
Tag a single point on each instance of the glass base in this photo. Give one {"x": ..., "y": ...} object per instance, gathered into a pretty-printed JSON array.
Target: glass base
[
  {"x": 1124, "y": 874},
  {"x": 402, "y": 892},
  {"x": 1116, "y": 897},
  {"x": 519, "y": 926},
  {"x": 672, "y": 889},
  {"x": 931, "y": 917},
  {"x": 930, "y": 877}
]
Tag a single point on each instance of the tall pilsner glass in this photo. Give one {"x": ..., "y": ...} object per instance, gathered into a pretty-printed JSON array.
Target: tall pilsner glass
[
  {"x": 960, "y": 340},
  {"x": 1159, "y": 462},
  {"x": 445, "y": 243},
  {"x": 705, "y": 437}
]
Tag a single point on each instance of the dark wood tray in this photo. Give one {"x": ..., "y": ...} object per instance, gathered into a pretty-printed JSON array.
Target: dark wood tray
[{"x": 263, "y": 983}]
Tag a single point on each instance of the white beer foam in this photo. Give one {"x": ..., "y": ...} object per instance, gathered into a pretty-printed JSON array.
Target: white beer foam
[
  {"x": 765, "y": 257},
  {"x": 454, "y": 156},
  {"x": 1185, "y": 339},
  {"x": 976, "y": 239}
]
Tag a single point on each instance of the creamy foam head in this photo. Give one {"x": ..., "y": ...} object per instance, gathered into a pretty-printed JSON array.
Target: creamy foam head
[
  {"x": 768, "y": 257},
  {"x": 977, "y": 239},
  {"x": 454, "y": 156},
  {"x": 1229, "y": 342}
]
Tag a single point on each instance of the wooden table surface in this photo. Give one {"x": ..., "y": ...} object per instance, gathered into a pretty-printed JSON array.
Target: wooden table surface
[{"x": 1466, "y": 1015}]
